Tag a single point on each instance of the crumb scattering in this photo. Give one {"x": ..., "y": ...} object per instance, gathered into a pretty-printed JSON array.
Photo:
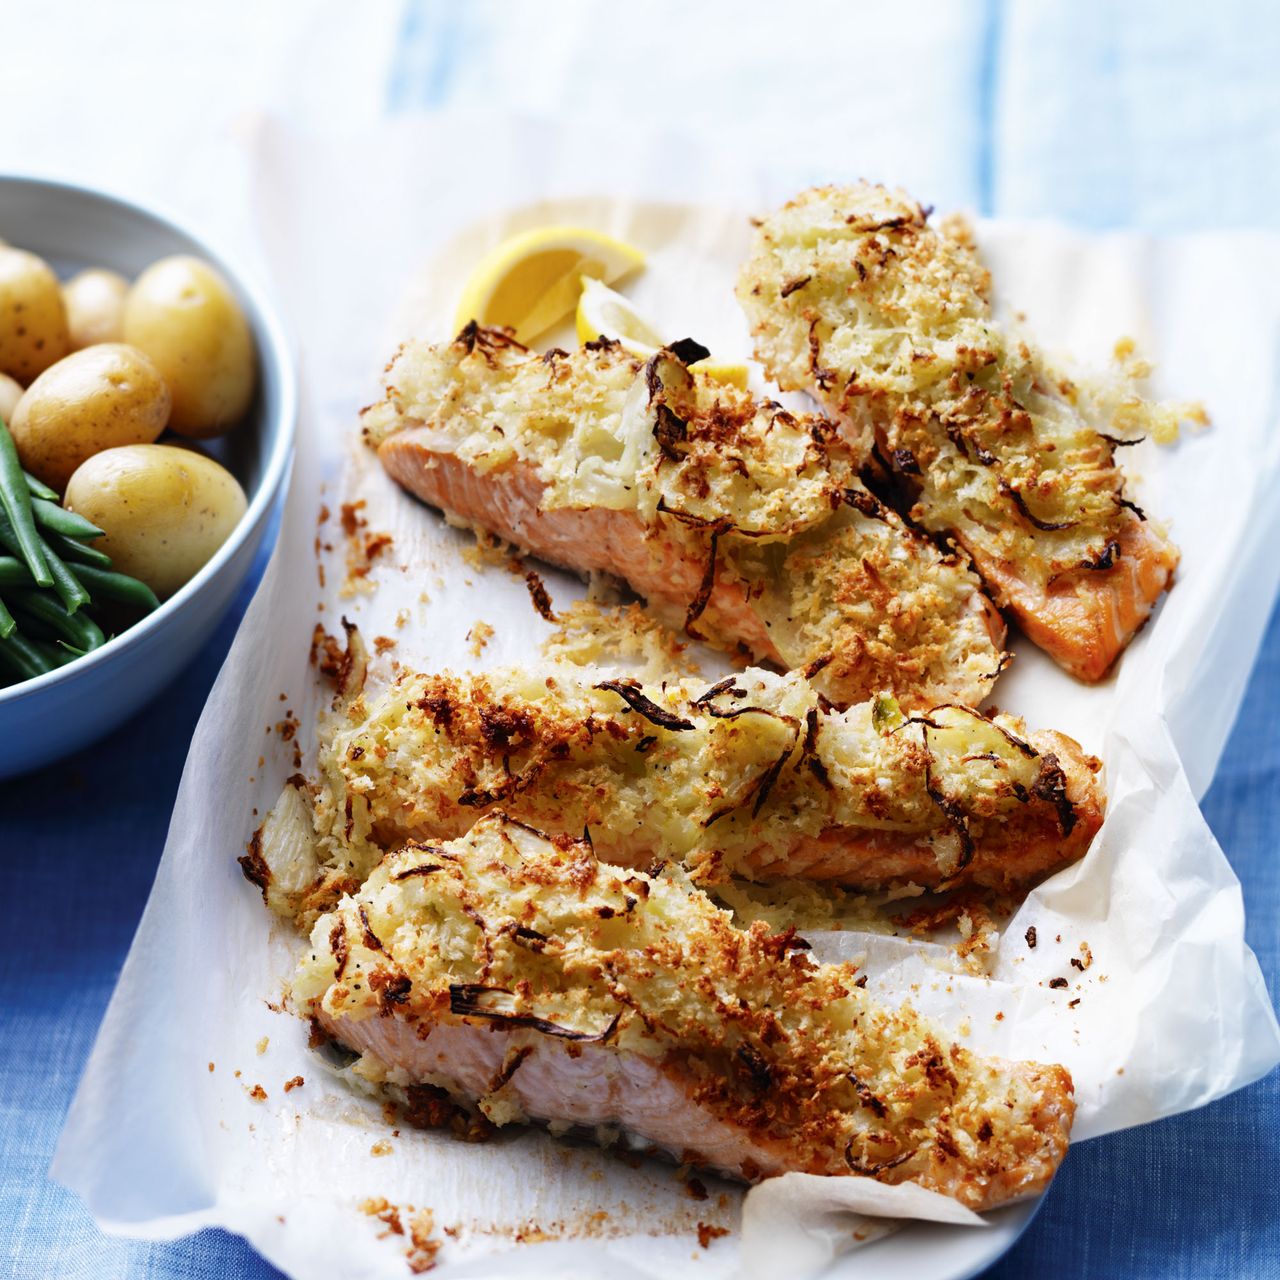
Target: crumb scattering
[
  {"x": 261, "y": 1047},
  {"x": 478, "y": 637},
  {"x": 363, "y": 547},
  {"x": 352, "y": 518},
  {"x": 381, "y": 1208},
  {"x": 294, "y": 1082},
  {"x": 422, "y": 1247},
  {"x": 422, "y": 1255},
  {"x": 488, "y": 551},
  {"x": 591, "y": 633},
  {"x": 381, "y": 1148},
  {"x": 540, "y": 596},
  {"x": 707, "y": 1233}
]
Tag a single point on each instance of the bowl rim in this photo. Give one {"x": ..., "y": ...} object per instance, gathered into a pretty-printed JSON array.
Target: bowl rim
[{"x": 276, "y": 349}]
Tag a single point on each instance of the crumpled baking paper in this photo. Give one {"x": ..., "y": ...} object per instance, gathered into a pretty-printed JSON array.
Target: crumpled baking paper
[{"x": 1166, "y": 1009}]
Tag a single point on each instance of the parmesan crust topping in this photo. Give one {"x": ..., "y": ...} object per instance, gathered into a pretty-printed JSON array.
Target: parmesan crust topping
[
  {"x": 853, "y": 296},
  {"x": 756, "y": 776},
  {"x": 507, "y": 931},
  {"x": 606, "y": 431},
  {"x": 797, "y": 561}
]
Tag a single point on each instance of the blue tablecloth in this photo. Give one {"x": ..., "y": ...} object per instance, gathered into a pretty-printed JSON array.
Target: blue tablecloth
[{"x": 1152, "y": 115}]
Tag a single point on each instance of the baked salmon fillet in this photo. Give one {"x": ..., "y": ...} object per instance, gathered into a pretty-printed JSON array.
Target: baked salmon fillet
[
  {"x": 516, "y": 974},
  {"x": 853, "y": 296},
  {"x": 756, "y": 777},
  {"x": 740, "y": 522}
]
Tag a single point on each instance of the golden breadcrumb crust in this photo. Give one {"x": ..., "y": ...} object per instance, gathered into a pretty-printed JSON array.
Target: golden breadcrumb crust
[
  {"x": 853, "y": 296},
  {"x": 792, "y": 557},
  {"x": 508, "y": 929},
  {"x": 605, "y": 430},
  {"x": 756, "y": 776}
]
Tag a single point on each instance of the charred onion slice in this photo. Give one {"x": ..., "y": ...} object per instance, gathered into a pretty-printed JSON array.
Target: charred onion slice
[
  {"x": 631, "y": 692},
  {"x": 1046, "y": 526},
  {"x": 465, "y": 999}
]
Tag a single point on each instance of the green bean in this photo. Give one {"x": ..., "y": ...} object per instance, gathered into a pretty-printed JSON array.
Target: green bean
[
  {"x": 51, "y": 516},
  {"x": 38, "y": 489},
  {"x": 9, "y": 539},
  {"x": 17, "y": 505},
  {"x": 31, "y": 626},
  {"x": 61, "y": 578},
  {"x": 82, "y": 631},
  {"x": 13, "y": 573},
  {"x": 65, "y": 583},
  {"x": 21, "y": 656},
  {"x": 7, "y": 624},
  {"x": 77, "y": 552},
  {"x": 105, "y": 585}
]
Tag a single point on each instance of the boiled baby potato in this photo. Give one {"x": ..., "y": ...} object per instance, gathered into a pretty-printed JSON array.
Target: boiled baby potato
[
  {"x": 33, "y": 320},
  {"x": 165, "y": 510},
  {"x": 95, "y": 307},
  {"x": 10, "y": 394},
  {"x": 92, "y": 400},
  {"x": 182, "y": 313}
]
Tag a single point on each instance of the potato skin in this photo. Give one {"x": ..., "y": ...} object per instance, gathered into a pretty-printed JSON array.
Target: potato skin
[
  {"x": 10, "y": 394},
  {"x": 182, "y": 313},
  {"x": 95, "y": 307},
  {"x": 91, "y": 400},
  {"x": 165, "y": 510},
  {"x": 33, "y": 319}
]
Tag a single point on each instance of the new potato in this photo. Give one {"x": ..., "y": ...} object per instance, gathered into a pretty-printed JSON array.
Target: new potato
[
  {"x": 33, "y": 320},
  {"x": 165, "y": 510},
  {"x": 95, "y": 307},
  {"x": 181, "y": 312},
  {"x": 95, "y": 399}
]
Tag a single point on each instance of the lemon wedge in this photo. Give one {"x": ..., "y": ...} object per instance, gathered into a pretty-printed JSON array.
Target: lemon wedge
[
  {"x": 731, "y": 371},
  {"x": 604, "y": 312},
  {"x": 532, "y": 280}
]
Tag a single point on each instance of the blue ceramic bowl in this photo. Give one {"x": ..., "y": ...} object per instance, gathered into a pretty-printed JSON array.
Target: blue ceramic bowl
[{"x": 73, "y": 227}]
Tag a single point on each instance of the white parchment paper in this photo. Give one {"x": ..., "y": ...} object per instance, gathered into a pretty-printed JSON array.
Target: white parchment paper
[{"x": 370, "y": 241}]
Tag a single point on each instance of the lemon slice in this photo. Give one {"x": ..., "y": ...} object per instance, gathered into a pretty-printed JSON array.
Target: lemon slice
[
  {"x": 532, "y": 280},
  {"x": 731, "y": 371},
  {"x": 604, "y": 312}
]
